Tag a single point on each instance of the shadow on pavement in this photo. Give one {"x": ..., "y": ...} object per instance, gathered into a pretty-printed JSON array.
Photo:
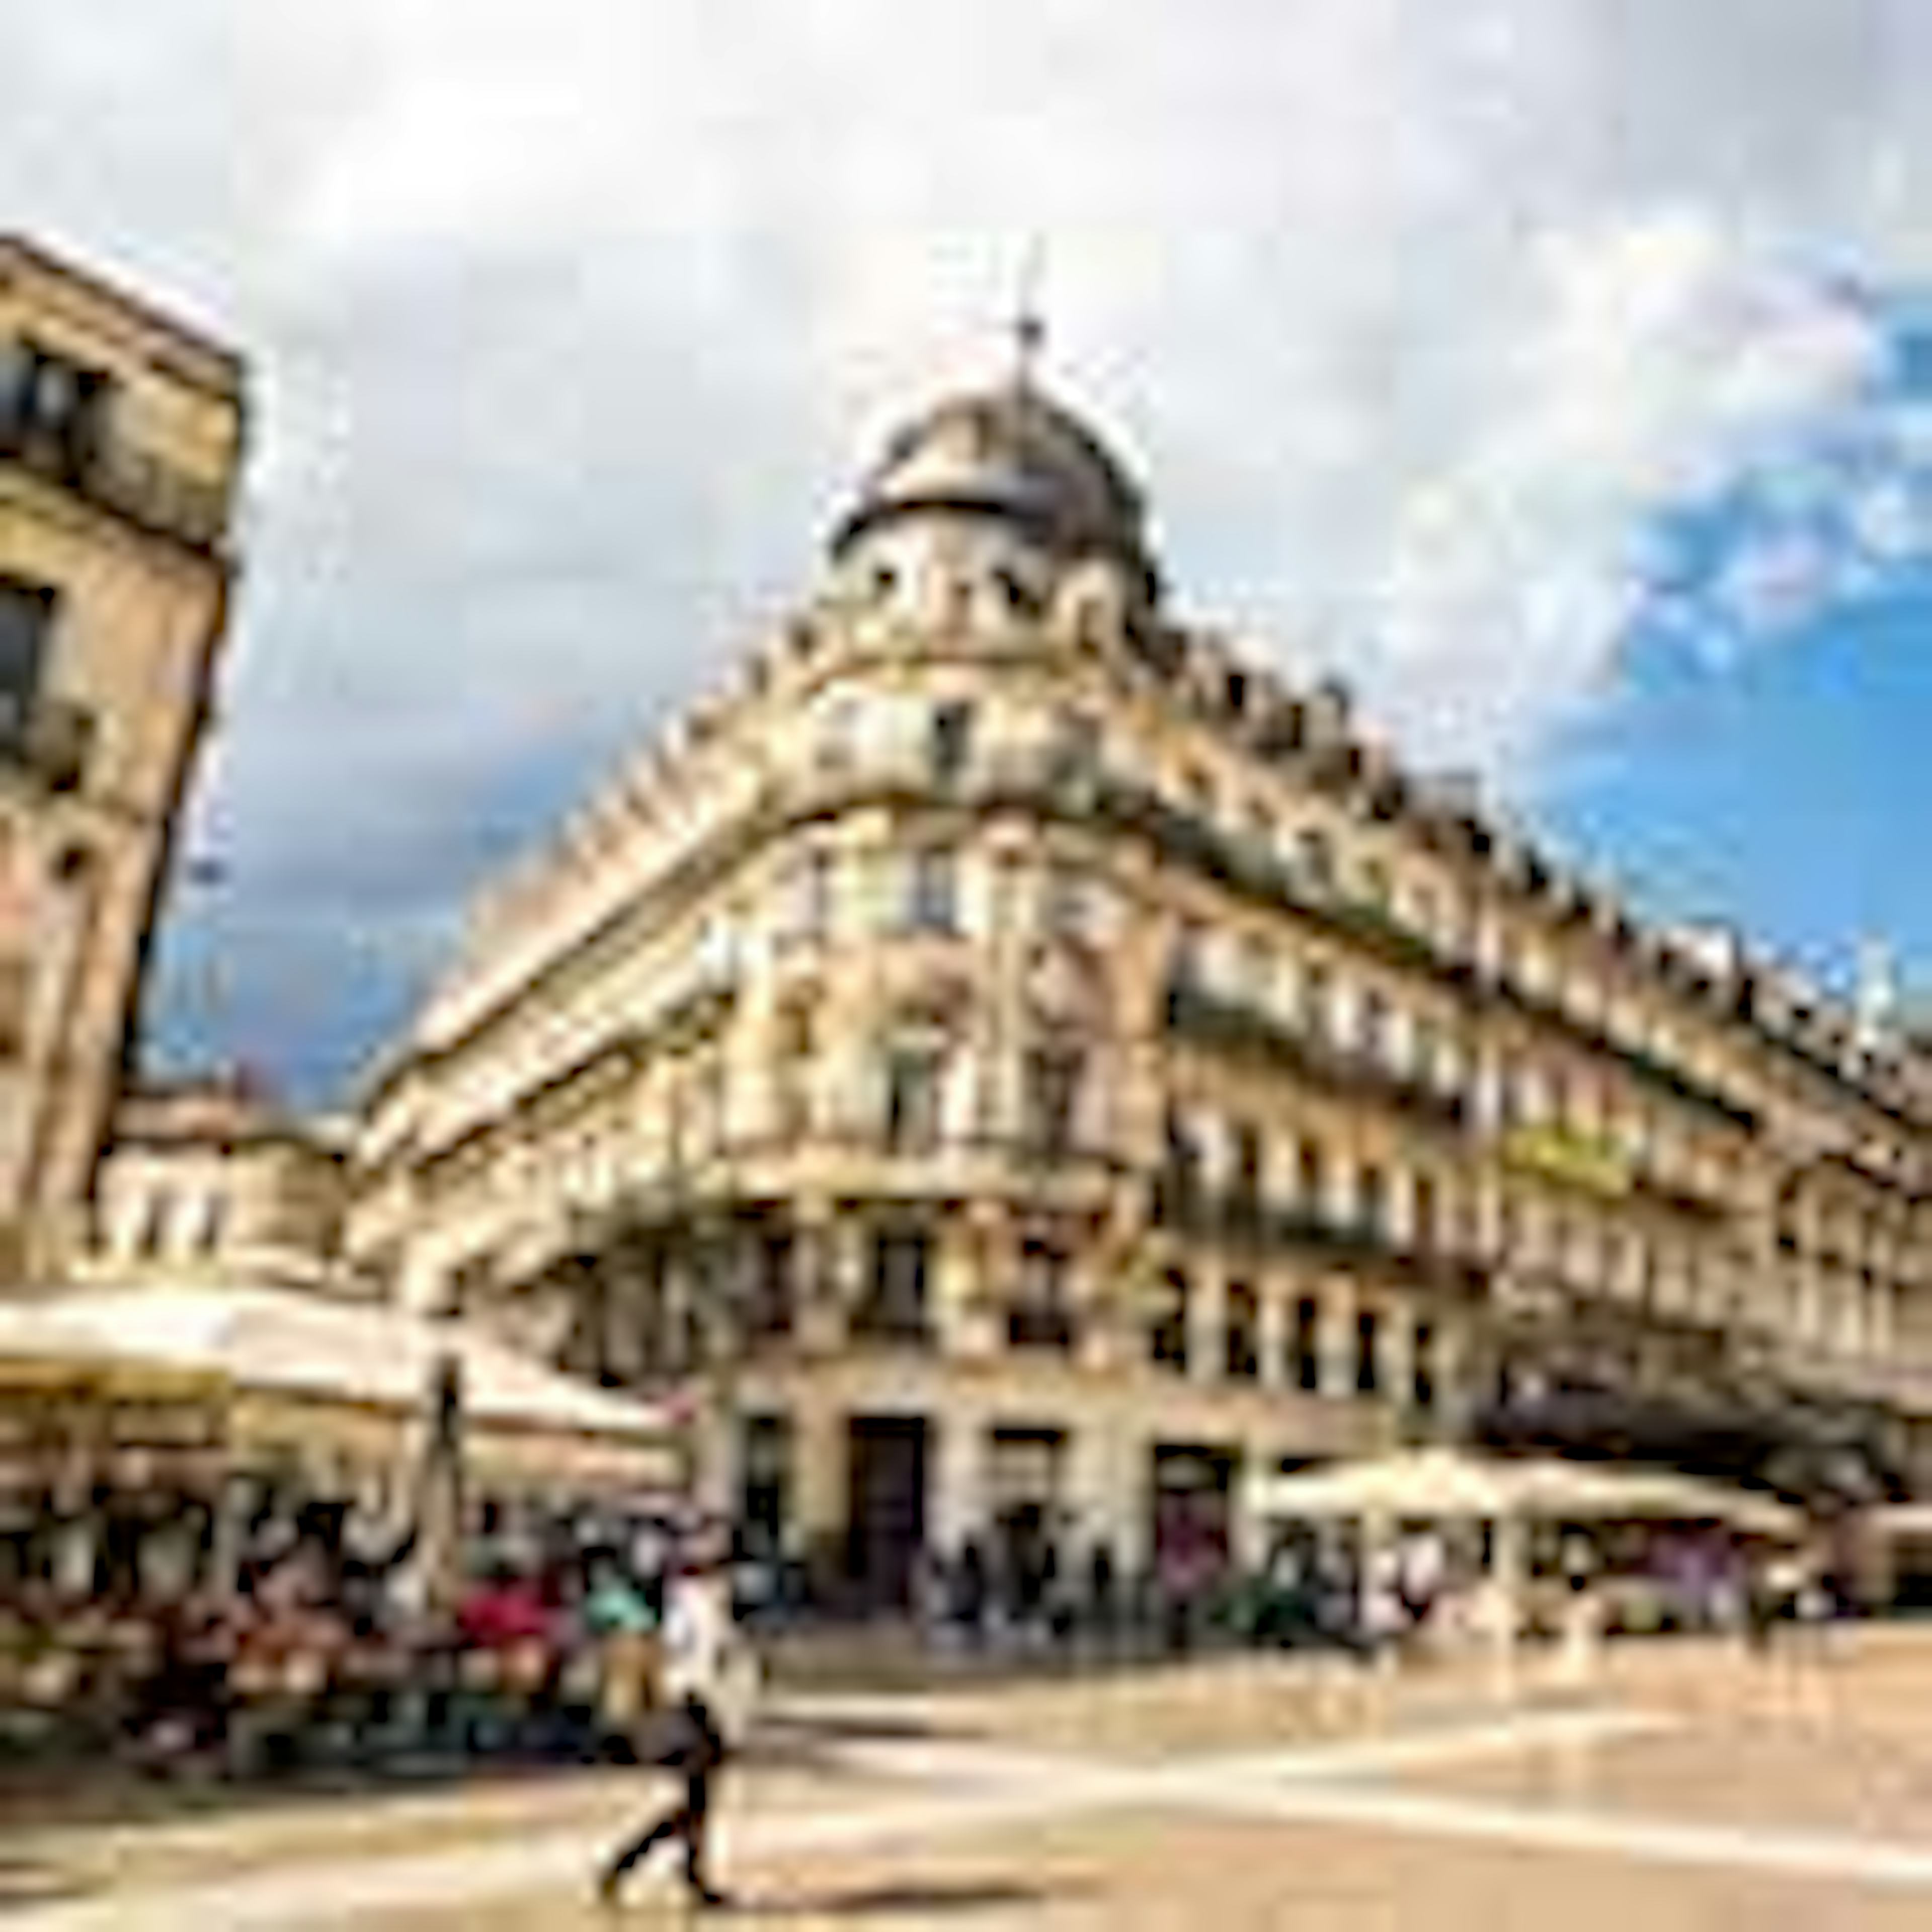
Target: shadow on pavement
[{"x": 887, "y": 1900}]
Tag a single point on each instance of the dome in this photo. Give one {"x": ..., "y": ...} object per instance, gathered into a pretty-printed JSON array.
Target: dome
[{"x": 1012, "y": 453}]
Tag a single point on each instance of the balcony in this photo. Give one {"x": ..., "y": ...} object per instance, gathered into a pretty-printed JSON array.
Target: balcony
[
  {"x": 1041, "y": 1325},
  {"x": 1178, "y": 1202},
  {"x": 1240, "y": 1031},
  {"x": 127, "y": 482},
  {"x": 48, "y": 739},
  {"x": 902, "y": 1325}
]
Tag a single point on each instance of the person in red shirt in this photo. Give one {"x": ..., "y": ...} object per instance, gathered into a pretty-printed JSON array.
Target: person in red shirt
[{"x": 505, "y": 1610}]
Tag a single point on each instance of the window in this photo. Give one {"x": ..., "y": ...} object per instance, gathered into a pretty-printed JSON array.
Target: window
[
  {"x": 1241, "y": 1336},
  {"x": 1018, "y": 594},
  {"x": 1312, "y": 1178},
  {"x": 1053, "y": 1077},
  {"x": 793, "y": 1071},
  {"x": 1425, "y": 1215},
  {"x": 896, "y": 1300},
  {"x": 773, "y": 1286},
  {"x": 913, "y": 1076},
  {"x": 838, "y": 734},
  {"x": 1181, "y": 1172},
  {"x": 1040, "y": 1317},
  {"x": 1064, "y": 903},
  {"x": 214, "y": 1219},
  {"x": 1371, "y": 1025},
  {"x": 1184, "y": 969},
  {"x": 1257, "y": 969},
  {"x": 1317, "y": 1000},
  {"x": 1075, "y": 753},
  {"x": 26, "y": 614},
  {"x": 711, "y": 1101},
  {"x": 158, "y": 1211},
  {"x": 951, "y": 742},
  {"x": 1314, "y": 858},
  {"x": 1422, "y": 1385},
  {"x": 1371, "y": 1200},
  {"x": 1246, "y": 1199},
  {"x": 1307, "y": 1343},
  {"x": 1167, "y": 1337},
  {"x": 819, "y": 892},
  {"x": 16, "y": 990},
  {"x": 1368, "y": 1351},
  {"x": 932, "y": 897},
  {"x": 1376, "y": 889},
  {"x": 52, "y": 408}
]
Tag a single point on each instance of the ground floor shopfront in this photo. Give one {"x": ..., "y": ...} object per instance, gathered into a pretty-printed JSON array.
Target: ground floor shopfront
[{"x": 863, "y": 1470}]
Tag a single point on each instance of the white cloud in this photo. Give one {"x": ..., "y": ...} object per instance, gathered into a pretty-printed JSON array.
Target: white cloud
[{"x": 572, "y": 320}]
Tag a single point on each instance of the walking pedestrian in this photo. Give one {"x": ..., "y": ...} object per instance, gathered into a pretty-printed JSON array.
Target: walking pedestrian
[{"x": 701, "y": 1670}]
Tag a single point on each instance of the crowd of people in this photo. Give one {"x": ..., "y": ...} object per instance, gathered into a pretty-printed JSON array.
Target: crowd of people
[
  {"x": 1330, "y": 1589},
  {"x": 327, "y": 1637}
]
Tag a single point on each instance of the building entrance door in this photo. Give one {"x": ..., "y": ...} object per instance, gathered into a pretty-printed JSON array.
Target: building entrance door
[
  {"x": 886, "y": 1512},
  {"x": 1192, "y": 1497}
]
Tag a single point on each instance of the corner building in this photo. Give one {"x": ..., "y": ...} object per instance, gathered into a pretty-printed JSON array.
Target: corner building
[
  {"x": 120, "y": 436},
  {"x": 1042, "y": 1070}
]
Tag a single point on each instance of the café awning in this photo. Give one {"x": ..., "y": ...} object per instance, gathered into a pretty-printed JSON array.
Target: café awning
[
  {"x": 1430, "y": 1483},
  {"x": 289, "y": 1366}
]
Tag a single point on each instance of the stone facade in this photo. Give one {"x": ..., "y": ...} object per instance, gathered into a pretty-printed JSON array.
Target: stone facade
[
  {"x": 120, "y": 435},
  {"x": 1040, "y": 1069},
  {"x": 211, "y": 1176}
]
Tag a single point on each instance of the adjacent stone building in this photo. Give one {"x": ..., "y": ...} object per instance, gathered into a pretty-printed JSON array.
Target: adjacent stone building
[
  {"x": 1040, "y": 1068},
  {"x": 211, "y": 1176},
  {"x": 120, "y": 435}
]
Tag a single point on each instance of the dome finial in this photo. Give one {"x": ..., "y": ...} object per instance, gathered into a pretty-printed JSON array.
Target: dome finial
[{"x": 1029, "y": 325}]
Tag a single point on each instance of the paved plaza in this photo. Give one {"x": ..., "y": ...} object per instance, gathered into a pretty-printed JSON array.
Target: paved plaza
[{"x": 1686, "y": 1786}]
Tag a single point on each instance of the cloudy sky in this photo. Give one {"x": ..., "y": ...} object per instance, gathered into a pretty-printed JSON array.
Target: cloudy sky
[{"x": 1559, "y": 370}]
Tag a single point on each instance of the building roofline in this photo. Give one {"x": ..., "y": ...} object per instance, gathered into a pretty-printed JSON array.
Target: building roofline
[{"x": 224, "y": 368}]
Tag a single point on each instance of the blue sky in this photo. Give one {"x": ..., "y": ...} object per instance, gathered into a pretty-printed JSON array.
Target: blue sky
[
  {"x": 1543, "y": 366},
  {"x": 1764, "y": 756}
]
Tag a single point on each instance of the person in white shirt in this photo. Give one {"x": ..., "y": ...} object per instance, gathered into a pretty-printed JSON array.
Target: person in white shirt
[{"x": 707, "y": 1680}]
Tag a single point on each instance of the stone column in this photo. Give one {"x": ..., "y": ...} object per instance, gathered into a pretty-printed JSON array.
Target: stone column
[
  {"x": 1275, "y": 1328},
  {"x": 1106, "y": 1477},
  {"x": 1395, "y": 1352},
  {"x": 956, "y": 1498},
  {"x": 966, "y": 1264},
  {"x": 1207, "y": 1324},
  {"x": 1337, "y": 1337},
  {"x": 819, "y": 1478}
]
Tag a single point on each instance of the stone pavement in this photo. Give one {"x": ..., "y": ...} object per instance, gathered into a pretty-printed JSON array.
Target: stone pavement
[{"x": 1692, "y": 1787}]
